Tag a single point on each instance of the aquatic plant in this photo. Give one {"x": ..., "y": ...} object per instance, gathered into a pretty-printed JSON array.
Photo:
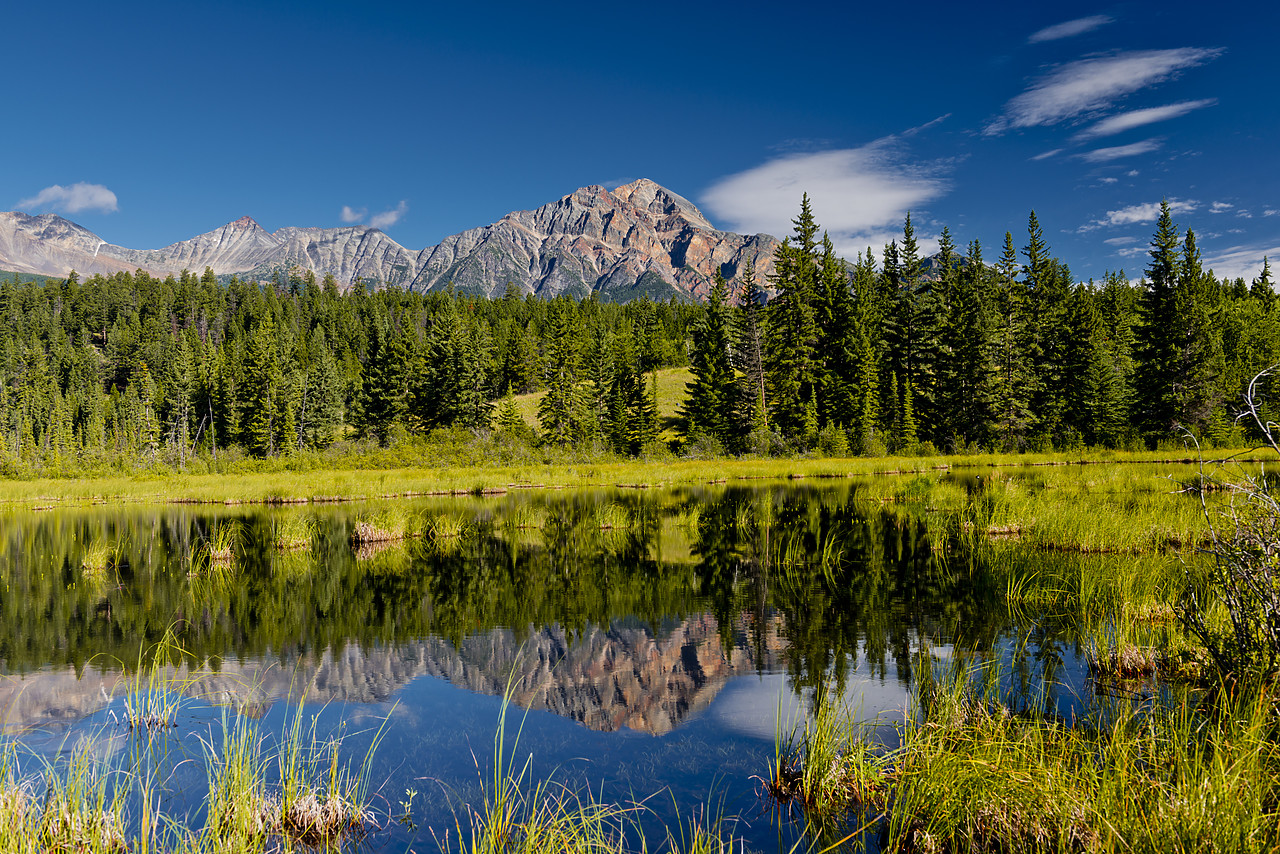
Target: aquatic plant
[
  {"x": 972, "y": 773},
  {"x": 385, "y": 524},
  {"x": 294, "y": 533}
]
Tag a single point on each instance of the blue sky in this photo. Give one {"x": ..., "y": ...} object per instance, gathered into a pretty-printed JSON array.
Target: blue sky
[{"x": 151, "y": 123}]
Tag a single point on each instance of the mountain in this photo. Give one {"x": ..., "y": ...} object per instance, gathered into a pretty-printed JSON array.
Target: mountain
[
  {"x": 640, "y": 238},
  {"x": 604, "y": 677}
]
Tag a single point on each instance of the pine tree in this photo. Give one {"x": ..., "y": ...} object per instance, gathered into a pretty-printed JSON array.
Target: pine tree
[
  {"x": 966, "y": 396},
  {"x": 1014, "y": 348},
  {"x": 1157, "y": 347},
  {"x": 263, "y": 382},
  {"x": 791, "y": 329},
  {"x": 320, "y": 412},
  {"x": 1262, "y": 289},
  {"x": 911, "y": 327},
  {"x": 560, "y": 411},
  {"x": 867, "y": 312},
  {"x": 384, "y": 388},
  {"x": 837, "y": 392},
  {"x": 1046, "y": 282},
  {"x": 753, "y": 411},
  {"x": 711, "y": 398}
]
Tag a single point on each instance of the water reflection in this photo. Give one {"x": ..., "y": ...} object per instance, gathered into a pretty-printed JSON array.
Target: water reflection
[{"x": 617, "y": 609}]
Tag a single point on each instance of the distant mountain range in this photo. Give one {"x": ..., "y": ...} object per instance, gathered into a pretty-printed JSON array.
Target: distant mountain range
[{"x": 640, "y": 238}]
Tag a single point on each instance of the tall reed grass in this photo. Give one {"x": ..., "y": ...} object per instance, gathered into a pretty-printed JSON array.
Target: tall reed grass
[{"x": 971, "y": 773}]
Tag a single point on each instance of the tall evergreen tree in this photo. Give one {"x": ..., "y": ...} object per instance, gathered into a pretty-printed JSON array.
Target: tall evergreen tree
[
  {"x": 560, "y": 411},
  {"x": 790, "y": 358},
  {"x": 1157, "y": 344},
  {"x": 711, "y": 401},
  {"x": 753, "y": 410}
]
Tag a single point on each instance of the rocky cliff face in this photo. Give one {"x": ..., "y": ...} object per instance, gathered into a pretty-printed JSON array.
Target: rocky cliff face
[
  {"x": 638, "y": 239},
  {"x": 606, "y": 678},
  {"x": 52, "y": 246}
]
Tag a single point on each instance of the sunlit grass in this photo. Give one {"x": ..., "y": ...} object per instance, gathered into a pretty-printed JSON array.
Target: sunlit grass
[
  {"x": 339, "y": 482},
  {"x": 973, "y": 774},
  {"x": 387, "y": 523},
  {"x": 294, "y": 533}
]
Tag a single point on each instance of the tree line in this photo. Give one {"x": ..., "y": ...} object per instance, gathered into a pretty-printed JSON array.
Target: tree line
[
  {"x": 955, "y": 353},
  {"x": 898, "y": 355}
]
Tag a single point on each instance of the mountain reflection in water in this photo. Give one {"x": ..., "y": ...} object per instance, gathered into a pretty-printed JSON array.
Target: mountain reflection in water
[{"x": 616, "y": 609}]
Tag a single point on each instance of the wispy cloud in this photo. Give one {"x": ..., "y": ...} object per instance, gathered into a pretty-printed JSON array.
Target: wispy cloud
[
  {"x": 1241, "y": 261},
  {"x": 350, "y": 214},
  {"x": 1120, "y": 241},
  {"x": 1220, "y": 207},
  {"x": 1089, "y": 85},
  {"x": 1047, "y": 154},
  {"x": 1137, "y": 118},
  {"x": 74, "y": 199},
  {"x": 1067, "y": 29},
  {"x": 1106, "y": 155},
  {"x": 386, "y": 219},
  {"x": 1143, "y": 213},
  {"x": 1271, "y": 212},
  {"x": 859, "y": 195},
  {"x": 1108, "y": 180}
]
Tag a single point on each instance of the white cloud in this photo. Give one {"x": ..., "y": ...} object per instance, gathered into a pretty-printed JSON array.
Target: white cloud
[
  {"x": 859, "y": 195},
  {"x": 1243, "y": 213},
  {"x": 1135, "y": 214},
  {"x": 386, "y": 219},
  {"x": 1089, "y": 85},
  {"x": 1066, "y": 29},
  {"x": 1108, "y": 180},
  {"x": 1047, "y": 154},
  {"x": 1137, "y": 118},
  {"x": 1106, "y": 155},
  {"x": 1220, "y": 207},
  {"x": 1241, "y": 261},
  {"x": 350, "y": 214},
  {"x": 74, "y": 199},
  {"x": 1120, "y": 241},
  {"x": 1132, "y": 173},
  {"x": 1132, "y": 251}
]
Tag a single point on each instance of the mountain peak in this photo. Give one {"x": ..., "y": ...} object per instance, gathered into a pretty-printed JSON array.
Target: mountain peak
[
  {"x": 656, "y": 199},
  {"x": 245, "y": 222}
]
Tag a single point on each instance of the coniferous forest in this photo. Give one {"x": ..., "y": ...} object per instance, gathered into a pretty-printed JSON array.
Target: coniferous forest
[{"x": 999, "y": 350}]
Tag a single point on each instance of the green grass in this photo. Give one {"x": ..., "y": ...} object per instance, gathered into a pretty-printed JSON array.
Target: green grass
[
  {"x": 1109, "y": 481},
  {"x": 671, "y": 394},
  {"x": 385, "y": 524},
  {"x": 294, "y": 533},
  {"x": 972, "y": 774}
]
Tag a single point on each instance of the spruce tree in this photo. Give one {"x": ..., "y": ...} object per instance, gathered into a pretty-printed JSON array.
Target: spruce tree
[
  {"x": 710, "y": 402},
  {"x": 560, "y": 411},
  {"x": 1013, "y": 352},
  {"x": 791, "y": 328},
  {"x": 1157, "y": 346},
  {"x": 753, "y": 410}
]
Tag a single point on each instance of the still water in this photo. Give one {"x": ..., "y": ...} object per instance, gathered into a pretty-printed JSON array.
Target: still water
[{"x": 652, "y": 643}]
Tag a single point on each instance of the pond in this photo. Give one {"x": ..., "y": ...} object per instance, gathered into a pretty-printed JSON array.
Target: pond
[{"x": 652, "y": 644}]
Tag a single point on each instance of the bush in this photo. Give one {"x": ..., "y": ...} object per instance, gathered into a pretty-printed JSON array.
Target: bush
[{"x": 1234, "y": 607}]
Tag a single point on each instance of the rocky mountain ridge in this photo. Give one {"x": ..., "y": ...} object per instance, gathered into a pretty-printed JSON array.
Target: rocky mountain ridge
[
  {"x": 640, "y": 238},
  {"x": 604, "y": 677}
]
